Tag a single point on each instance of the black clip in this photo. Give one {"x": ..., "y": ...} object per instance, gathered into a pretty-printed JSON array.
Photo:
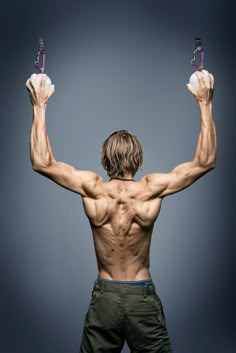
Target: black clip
[{"x": 198, "y": 43}]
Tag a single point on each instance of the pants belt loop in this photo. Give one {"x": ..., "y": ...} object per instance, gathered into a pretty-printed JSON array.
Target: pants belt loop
[
  {"x": 145, "y": 292},
  {"x": 102, "y": 286}
]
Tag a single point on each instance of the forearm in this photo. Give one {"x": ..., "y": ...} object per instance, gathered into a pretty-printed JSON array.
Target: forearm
[
  {"x": 40, "y": 150},
  {"x": 206, "y": 147}
]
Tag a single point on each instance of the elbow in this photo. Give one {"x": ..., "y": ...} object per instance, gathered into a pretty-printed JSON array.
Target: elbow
[
  {"x": 214, "y": 164},
  {"x": 207, "y": 165},
  {"x": 211, "y": 164},
  {"x": 39, "y": 167},
  {"x": 36, "y": 168}
]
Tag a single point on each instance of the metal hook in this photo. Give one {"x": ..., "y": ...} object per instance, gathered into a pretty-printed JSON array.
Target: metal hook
[
  {"x": 40, "y": 54},
  {"x": 198, "y": 49}
]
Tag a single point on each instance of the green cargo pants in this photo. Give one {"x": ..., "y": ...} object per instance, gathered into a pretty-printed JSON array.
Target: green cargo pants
[{"x": 120, "y": 312}]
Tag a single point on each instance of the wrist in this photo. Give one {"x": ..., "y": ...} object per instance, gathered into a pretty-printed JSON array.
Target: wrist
[
  {"x": 205, "y": 105},
  {"x": 39, "y": 108}
]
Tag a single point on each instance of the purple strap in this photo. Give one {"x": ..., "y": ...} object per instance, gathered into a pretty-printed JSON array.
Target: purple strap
[
  {"x": 36, "y": 64},
  {"x": 40, "y": 54},
  {"x": 199, "y": 49},
  {"x": 200, "y": 67}
]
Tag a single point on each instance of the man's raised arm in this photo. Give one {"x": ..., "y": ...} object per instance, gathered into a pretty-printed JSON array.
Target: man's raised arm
[
  {"x": 183, "y": 175},
  {"x": 42, "y": 158}
]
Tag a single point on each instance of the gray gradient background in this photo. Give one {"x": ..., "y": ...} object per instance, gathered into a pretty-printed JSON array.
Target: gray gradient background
[{"x": 115, "y": 64}]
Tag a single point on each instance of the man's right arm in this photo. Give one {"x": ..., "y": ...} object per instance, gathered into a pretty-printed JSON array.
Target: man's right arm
[
  {"x": 183, "y": 175},
  {"x": 82, "y": 182}
]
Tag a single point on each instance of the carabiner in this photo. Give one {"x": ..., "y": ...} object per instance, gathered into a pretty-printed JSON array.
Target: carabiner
[
  {"x": 198, "y": 49},
  {"x": 40, "y": 53}
]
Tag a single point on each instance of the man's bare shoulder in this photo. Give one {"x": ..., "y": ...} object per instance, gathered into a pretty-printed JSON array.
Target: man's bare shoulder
[
  {"x": 156, "y": 183},
  {"x": 144, "y": 188},
  {"x": 149, "y": 186},
  {"x": 92, "y": 183},
  {"x": 88, "y": 175},
  {"x": 156, "y": 178}
]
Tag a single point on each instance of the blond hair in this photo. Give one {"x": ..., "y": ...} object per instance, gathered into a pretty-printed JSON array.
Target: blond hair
[{"x": 122, "y": 153}]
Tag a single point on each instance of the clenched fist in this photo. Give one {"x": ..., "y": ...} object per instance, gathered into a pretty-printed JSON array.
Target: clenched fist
[
  {"x": 201, "y": 85},
  {"x": 40, "y": 89}
]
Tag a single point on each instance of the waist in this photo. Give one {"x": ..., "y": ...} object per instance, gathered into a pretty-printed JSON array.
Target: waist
[
  {"x": 143, "y": 282},
  {"x": 130, "y": 287}
]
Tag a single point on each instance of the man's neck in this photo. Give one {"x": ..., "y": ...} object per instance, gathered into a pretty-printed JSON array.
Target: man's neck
[
  {"x": 122, "y": 178},
  {"x": 126, "y": 177}
]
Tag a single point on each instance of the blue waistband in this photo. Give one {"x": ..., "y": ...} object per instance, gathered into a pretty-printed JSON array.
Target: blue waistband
[{"x": 146, "y": 282}]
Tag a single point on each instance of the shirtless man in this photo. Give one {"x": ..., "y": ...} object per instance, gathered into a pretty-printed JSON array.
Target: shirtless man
[{"x": 124, "y": 304}]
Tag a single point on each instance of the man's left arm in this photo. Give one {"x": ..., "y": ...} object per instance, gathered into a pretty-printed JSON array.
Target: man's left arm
[{"x": 185, "y": 174}]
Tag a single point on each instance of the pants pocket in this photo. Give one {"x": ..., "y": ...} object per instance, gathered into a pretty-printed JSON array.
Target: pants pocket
[{"x": 155, "y": 301}]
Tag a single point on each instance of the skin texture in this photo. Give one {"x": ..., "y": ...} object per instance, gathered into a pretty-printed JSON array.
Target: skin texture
[{"x": 122, "y": 213}]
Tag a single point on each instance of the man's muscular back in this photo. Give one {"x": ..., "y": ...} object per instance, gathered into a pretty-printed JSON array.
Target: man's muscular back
[
  {"x": 122, "y": 218},
  {"x": 122, "y": 213}
]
